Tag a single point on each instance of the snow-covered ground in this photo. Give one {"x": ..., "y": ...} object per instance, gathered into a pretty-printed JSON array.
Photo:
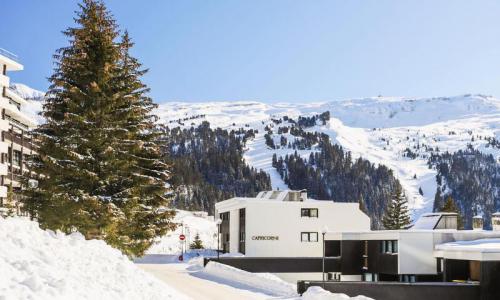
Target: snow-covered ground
[
  {"x": 220, "y": 282},
  {"x": 38, "y": 264},
  {"x": 378, "y": 129},
  {"x": 189, "y": 223}
]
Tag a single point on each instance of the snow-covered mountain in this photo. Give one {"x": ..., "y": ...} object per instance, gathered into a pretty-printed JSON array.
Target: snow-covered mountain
[
  {"x": 384, "y": 130},
  {"x": 26, "y": 92},
  {"x": 398, "y": 132}
]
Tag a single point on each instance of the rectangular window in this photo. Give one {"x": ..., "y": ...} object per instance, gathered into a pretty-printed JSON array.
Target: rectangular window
[
  {"x": 309, "y": 236},
  {"x": 309, "y": 212},
  {"x": 224, "y": 216},
  {"x": 407, "y": 278},
  {"x": 17, "y": 158},
  {"x": 389, "y": 247}
]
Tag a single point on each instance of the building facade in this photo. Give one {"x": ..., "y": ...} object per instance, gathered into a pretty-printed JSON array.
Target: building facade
[
  {"x": 16, "y": 142},
  {"x": 432, "y": 260},
  {"x": 281, "y": 233},
  {"x": 283, "y": 224}
]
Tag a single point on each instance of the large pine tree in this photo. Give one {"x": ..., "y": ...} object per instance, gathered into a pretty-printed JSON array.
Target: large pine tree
[
  {"x": 101, "y": 167},
  {"x": 397, "y": 215}
]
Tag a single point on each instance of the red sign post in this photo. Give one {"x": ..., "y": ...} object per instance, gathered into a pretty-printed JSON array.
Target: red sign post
[{"x": 182, "y": 237}]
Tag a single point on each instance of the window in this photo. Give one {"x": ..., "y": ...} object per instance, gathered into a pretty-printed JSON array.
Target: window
[
  {"x": 389, "y": 247},
  {"x": 224, "y": 216},
  {"x": 17, "y": 158},
  {"x": 370, "y": 277},
  {"x": 309, "y": 236},
  {"x": 407, "y": 278},
  {"x": 309, "y": 212}
]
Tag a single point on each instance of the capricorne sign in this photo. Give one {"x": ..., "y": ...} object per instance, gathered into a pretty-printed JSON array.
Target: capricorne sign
[{"x": 265, "y": 238}]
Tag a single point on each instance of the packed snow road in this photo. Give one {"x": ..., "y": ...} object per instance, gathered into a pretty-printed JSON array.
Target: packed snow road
[{"x": 177, "y": 275}]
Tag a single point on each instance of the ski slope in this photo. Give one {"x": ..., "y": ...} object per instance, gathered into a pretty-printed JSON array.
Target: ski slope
[{"x": 378, "y": 129}]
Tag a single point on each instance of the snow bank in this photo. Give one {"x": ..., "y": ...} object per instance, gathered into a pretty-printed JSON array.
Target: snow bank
[
  {"x": 259, "y": 281},
  {"x": 38, "y": 264},
  {"x": 317, "y": 293},
  {"x": 268, "y": 283}
]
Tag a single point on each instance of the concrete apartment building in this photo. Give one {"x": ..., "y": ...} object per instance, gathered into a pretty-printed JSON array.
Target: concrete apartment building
[
  {"x": 274, "y": 222},
  {"x": 15, "y": 125},
  {"x": 281, "y": 232}
]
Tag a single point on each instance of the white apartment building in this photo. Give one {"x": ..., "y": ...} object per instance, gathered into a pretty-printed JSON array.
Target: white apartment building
[
  {"x": 15, "y": 143},
  {"x": 283, "y": 224}
]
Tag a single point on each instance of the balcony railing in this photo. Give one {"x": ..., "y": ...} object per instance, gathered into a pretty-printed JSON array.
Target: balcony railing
[
  {"x": 17, "y": 139},
  {"x": 9, "y": 54},
  {"x": 15, "y": 176}
]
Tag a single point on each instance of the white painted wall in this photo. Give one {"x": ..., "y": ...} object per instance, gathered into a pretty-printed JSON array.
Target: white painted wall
[
  {"x": 283, "y": 219},
  {"x": 416, "y": 253},
  {"x": 234, "y": 223}
]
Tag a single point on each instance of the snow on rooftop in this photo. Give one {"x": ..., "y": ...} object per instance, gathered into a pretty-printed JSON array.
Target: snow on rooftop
[
  {"x": 429, "y": 221},
  {"x": 481, "y": 245},
  {"x": 426, "y": 222}
]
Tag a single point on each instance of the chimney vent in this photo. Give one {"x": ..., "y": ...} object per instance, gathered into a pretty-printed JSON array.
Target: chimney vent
[
  {"x": 477, "y": 223},
  {"x": 495, "y": 221}
]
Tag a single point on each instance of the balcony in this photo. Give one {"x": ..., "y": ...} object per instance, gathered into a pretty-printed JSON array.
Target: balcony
[
  {"x": 15, "y": 176},
  {"x": 4, "y": 147},
  {"x": 11, "y": 60},
  {"x": 18, "y": 139},
  {"x": 4, "y": 169},
  {"x": 9, "y": 54},
  {"x": 4, "y": 80},
  {"x": 3, "y": 191},
  {"x": 14, "y": 97}
]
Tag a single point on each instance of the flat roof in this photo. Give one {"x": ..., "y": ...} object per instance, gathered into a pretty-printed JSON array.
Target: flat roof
[
  {"x": 238, "y": 202},
  {"x": 10, "y": 60},
  {"x": 396, "y": 234},
  {"x": 480, "y": 249}
]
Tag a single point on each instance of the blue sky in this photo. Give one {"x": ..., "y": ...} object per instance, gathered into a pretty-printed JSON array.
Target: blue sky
[{"x": 272, "y": 50}]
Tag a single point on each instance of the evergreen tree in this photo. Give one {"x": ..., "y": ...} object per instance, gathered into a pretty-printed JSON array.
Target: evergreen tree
[
  {"x": 197, "y": 243},
  {"x": 397, "y": 215},
  {"x": 450, "y": 207},
  {"x": 101, "y": 166}
]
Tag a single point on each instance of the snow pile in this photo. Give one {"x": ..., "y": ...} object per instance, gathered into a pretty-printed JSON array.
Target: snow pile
[
  {"x": 191, "y": 224},
  {"x": 268, "y": 283},
  {"x": 38, "y": 264},
  {"x": 317, "y": 293}
]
